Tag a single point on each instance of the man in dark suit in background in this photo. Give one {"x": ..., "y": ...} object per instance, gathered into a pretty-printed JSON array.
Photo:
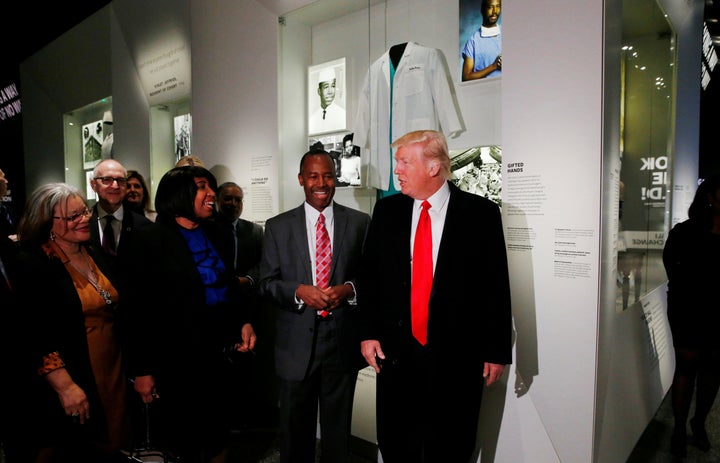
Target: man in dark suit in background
[
  {"x": 316, "y": 348},
  {"x": 247, "y": 239},
  {"x": 248, "y": 235},
  {"x": 119, "y": 242},
  {"x": 109, "y": 182},
  {"x": 431, "y": 370}
]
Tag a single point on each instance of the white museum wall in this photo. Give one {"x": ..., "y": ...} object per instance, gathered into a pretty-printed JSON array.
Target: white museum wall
[
  {"x": 131, "y": 111},
  {"x": 151, "y": 43},
  {"x": 65, "y": 75},
  {"x": 235, "y": 98},
  {"x": 162, "y": 146},
  {"x": 686, "y": 17},
  {"x": 294, "y": 59},
  {"x": 157, "y": 37},
  {"x": 552, "y": 118}
]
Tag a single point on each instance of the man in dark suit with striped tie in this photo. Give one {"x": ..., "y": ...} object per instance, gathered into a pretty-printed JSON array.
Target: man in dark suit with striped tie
[{"x": 316, "y": 348}]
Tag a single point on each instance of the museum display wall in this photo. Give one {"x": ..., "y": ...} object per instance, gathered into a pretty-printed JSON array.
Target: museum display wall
[{"x": 551, "y": 121}]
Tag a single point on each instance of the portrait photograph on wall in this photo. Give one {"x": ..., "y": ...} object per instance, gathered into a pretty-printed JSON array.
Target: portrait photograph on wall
[
  {"x": 89, "y": 192},
  {"x": 478, "y": 170},
  {"x": 92, "y": 138},
  {"x": 183, "y": 136},
  {"x": 346, "y": 155},
  {"x": 326, "y": 97},
  {"x": 108, "y": 138},
  {"x": 480, "y": 40}
]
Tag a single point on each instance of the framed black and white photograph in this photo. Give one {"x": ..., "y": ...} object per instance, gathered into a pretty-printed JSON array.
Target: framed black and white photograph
[
  {"x": 346, "y": 155},
  {"x": 478, "y": 170},
  {"x": 92, "y": 138},
  {"x": 327, "y": 97},
  {"x": 89, "y": 192},
  {"x": 183, "y": 136}
]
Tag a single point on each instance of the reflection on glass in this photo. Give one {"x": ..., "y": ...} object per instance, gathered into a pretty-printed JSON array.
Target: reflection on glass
[{"x": 646, "y": 135}]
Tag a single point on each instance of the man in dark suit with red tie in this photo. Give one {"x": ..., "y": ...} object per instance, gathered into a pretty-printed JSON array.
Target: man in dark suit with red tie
[
  {"x": 316, "y": 347},
  {"x": 432, "y": 352}
]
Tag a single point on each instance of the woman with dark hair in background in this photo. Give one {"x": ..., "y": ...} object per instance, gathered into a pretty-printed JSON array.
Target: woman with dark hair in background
[
  {"x": 185, "y": 331},
  {"x": 137, "y": 197},
  {"x": 691, "y": 256}
]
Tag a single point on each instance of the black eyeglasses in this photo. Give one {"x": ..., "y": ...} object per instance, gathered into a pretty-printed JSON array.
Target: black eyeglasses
[
  {"x": 107, "y": 181},
  {"x": 76, "y": 217}
]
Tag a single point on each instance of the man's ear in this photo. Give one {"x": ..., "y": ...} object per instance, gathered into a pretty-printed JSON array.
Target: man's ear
[{"x": 434, "y": 169}]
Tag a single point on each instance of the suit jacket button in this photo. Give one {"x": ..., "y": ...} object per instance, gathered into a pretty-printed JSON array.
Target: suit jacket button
[{"x": 401, "y": 323}]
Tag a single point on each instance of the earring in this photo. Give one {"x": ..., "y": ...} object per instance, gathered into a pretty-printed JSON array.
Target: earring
[{"x": 52, "y": 235}]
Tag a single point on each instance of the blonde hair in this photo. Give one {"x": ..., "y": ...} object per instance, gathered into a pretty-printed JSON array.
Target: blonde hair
[{"x": 434, "y": 147}]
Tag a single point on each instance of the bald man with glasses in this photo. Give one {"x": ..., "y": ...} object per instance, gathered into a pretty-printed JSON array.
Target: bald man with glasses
[{"x": 112, "y": 226}]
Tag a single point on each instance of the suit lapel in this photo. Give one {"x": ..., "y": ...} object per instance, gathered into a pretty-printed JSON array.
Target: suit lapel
[
  {"x": 94, "y": 231},
  {"x": 338, "y": 239},
  {"x": 402, "y": 216},
  {"x": 299, "y": 240},
  {"x": 453, "y": 221}
]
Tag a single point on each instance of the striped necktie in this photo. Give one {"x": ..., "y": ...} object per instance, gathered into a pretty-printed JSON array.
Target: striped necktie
[{"x": 323, "y": 254}]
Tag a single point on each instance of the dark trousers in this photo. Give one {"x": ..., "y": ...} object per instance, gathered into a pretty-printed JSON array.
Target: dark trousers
[
  {"x": 427, "y": 413},
  {"x": 327, "y": 386}
]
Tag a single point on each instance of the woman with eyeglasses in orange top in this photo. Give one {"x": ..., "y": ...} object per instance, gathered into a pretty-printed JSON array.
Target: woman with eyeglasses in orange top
[{"x": 73, "y": 399}]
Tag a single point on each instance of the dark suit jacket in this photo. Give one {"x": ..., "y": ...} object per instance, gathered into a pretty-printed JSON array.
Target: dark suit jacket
[
  {"x": 249, "y": 248},
  {"x": 469, "y": 315},
  {"x": 286, "y": 264},
  {"x": 170, "y": 322},
  {"x": 132, "y": 222},
  {"x": 8, "y": 221}
]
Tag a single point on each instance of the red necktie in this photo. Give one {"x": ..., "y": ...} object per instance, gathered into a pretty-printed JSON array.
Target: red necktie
[
  {"x": 422, "y": 275},
  {"x": 323, "y": 254}
]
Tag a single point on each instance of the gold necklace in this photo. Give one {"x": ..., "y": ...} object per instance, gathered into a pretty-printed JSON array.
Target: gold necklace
[{"x": 92, "y": 278}]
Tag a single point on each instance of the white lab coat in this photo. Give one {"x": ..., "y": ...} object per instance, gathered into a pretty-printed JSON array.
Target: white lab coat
[{"x": 422, "y": 99}]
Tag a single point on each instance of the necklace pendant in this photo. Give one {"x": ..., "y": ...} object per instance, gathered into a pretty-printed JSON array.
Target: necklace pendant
[{"x": 106, "y": 296}]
